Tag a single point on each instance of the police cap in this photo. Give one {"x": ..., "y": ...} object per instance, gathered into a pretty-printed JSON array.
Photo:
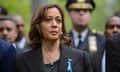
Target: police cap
[{"x": 80, "y": 4}]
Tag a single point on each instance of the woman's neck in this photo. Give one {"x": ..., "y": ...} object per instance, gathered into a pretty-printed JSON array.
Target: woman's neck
[
  {"x": 51, "y": 51},
  {"x": 50, "y": 45}
]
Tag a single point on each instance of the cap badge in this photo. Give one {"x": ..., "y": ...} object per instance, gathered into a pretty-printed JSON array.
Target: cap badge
[{"x": 81, "y": 0}]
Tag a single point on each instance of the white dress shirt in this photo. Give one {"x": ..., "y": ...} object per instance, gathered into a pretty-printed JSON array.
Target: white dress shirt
[
  {"x": 103, "y": 62},
  {"x": 21, "y": 44},
  {"x": 76, "y": 34}
]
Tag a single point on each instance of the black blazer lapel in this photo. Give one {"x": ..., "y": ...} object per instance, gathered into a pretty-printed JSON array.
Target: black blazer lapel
[
  {"x": 63, "y": 61},
  {"x": 34, "y": 60},
  {"x": 65, "y": 55}
]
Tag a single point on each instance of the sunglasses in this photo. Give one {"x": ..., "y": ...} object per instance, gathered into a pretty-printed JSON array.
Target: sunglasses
[{"x": 77, "y": 10}]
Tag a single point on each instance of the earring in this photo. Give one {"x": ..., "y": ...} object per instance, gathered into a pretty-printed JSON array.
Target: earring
[{"x": 61, "y": 33}]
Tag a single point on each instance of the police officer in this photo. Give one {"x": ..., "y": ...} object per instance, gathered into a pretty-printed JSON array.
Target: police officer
[{"x": 82, "y": 36}]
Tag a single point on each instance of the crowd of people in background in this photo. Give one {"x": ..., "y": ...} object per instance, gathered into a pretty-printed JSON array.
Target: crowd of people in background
[{"x": 50, "y": 48}]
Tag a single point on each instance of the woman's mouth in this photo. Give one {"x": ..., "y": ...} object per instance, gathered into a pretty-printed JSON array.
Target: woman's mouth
[{"x": 53, "y": 32}]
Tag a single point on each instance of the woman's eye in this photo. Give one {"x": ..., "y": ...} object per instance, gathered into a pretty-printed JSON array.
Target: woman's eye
[
  {"x": 48, "y": 19},
  {"x": 58, "y": 20}
]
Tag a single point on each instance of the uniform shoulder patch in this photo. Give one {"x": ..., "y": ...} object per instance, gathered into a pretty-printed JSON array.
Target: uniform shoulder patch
[{"x": 94, "y": 31}]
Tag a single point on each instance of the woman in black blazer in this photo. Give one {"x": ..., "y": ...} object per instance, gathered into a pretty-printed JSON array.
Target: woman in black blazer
[{"x": 49, "y": 41}]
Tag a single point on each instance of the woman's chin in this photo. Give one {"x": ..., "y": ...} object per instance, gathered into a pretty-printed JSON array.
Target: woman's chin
[{"x": 54, "y": 38}]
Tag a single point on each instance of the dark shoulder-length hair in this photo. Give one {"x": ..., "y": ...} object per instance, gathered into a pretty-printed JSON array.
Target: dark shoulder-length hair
[{"x": 38, "y": 17}]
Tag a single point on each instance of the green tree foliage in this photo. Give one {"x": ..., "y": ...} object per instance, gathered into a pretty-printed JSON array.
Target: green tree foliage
[{"x": 104, "y": 9}]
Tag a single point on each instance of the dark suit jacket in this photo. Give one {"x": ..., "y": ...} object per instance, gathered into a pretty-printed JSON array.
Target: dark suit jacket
[
  {"x": 33, "y": 61},
  {"x": 25, "y": 46},
  {"x": 7, "y": 54},
  {"x": 113, "y": 54},
  {"x": 95, "y": 57},
  {"x": 84, "y": 46}
]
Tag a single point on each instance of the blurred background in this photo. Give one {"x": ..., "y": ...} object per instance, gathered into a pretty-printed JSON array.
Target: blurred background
[{"x": 25, "y": 8}]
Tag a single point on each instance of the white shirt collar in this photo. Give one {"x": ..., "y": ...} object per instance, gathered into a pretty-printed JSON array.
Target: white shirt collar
[
  {"x": 75, "y": 36},
  {"x": 83, "y": 34},
  {"x": 103, "y": 62},
  {"x": 14, "y": 45},
  {"x": 21, "y": 43}
]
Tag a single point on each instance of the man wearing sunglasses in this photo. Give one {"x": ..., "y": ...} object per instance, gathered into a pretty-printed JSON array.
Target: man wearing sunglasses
[{"x": 82, "y": 36}]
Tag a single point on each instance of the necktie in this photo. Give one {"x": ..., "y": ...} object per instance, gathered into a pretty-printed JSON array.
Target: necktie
[{"x": 79, "y": 42}]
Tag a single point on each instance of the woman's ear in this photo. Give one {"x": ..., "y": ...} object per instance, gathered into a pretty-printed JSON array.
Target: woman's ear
[{"x": 37, "y": 26}]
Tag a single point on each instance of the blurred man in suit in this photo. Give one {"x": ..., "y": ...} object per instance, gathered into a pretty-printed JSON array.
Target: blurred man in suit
[
  {"x": 8, "y": 32},
  {"x": 112, "y": 27},
  {"x": 7, "y": 54},
  {"x": 82, "y": 36},
  {"x": 113, "y": 53},
  {"x": 112, "y": 44},
  {"x": 21, "y": 40}
]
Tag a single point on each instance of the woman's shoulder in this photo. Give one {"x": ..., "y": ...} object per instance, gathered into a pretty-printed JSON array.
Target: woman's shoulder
[
  {"x": 73, "y": 51},
  {"x": 76, "y": 54},
  {"x": 26, "y": 54}
]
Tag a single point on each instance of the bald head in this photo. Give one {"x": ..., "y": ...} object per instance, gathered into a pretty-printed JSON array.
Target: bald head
[
  {"x": 18, "y": 19},
  {"x": 20, "y": 26},
  {"x": 114, "y": 18}
]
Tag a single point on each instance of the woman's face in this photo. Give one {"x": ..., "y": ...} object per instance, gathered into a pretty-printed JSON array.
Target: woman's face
[{"x": 51, "y": 27}]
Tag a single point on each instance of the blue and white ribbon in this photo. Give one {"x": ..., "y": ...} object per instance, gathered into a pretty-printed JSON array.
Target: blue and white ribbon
[{"x": 69, "y": 68}]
